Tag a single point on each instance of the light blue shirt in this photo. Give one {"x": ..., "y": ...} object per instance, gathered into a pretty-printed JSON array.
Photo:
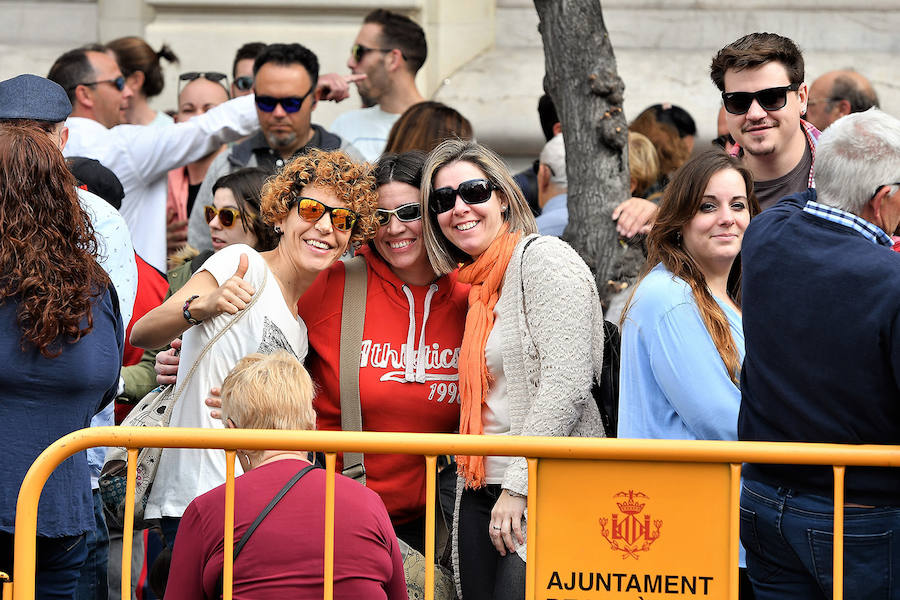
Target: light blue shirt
[
  {"x": 554, "y": 216},
  {"x": 117, "y": 259},
  {"x": 673, "y": 383}
]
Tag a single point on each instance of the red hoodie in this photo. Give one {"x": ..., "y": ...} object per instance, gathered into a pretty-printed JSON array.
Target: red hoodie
[{"x": 398, "y": 392}]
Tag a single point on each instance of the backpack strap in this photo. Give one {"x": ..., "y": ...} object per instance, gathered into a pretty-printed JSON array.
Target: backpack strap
[
  {"x": 262, "y": 515},
  {"x": 353, "y": 314}
]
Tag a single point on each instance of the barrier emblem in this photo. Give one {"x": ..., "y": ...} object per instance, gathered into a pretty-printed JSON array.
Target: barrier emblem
[{"x": 630, "y": 530}]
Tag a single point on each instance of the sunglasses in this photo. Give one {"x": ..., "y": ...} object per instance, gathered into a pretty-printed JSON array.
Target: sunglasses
[
  {"x": 310, "y": 209},
  {"x": 358, "y": 51},
  {"x": 291, "y": 104},
  {"x": 406, "y": 213},
  {"x": 227, "y": 216},
  {"x": 118, "y": 83},
  {"x": 214, "y": 76},
  {"x": 723, "y": 140},
  {"x": 738, "y": 103},
  {"x": 244, "y": 83},
  {"x": 473, "y": 191}
]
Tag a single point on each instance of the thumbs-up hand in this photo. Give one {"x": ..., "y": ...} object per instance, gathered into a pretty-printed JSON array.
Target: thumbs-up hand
[{"x": 230, "y": 297}]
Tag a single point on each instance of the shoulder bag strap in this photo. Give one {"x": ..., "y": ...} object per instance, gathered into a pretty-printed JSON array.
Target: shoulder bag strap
[
  {"x": 353, "y": 313},
  {"x": 262, "y": 515},
  {"x": 237, "y": 317}
]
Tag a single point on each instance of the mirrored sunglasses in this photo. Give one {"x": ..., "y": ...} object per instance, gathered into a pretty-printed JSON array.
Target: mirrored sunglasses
[
  {"x": 310, "y": 209},
  {"x": 775, "y": 98},
  {"x": 406, "y": 213},
  {"x": 290, "y": 104},
  {"x": 244, "y": 83},
  {"x": 227, "y": 216},
  {"x": 473, "y": 191}
]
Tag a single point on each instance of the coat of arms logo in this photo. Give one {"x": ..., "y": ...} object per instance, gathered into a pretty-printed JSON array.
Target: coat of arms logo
[{"x": 630, "y": 531}]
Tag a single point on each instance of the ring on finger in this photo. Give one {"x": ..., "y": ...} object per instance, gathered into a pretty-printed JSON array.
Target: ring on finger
[{"x": 495, "y": 528}]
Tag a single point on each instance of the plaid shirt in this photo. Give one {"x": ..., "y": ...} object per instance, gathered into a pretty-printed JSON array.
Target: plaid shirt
[
  {"x": 812, "y": 138},
  {"x": 841, "y": 217}
]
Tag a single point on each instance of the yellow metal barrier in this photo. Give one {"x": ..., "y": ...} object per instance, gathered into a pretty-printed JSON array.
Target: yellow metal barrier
[{"x": 428, "y": 445}]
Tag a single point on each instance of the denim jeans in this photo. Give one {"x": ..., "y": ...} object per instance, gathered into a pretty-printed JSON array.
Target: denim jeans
[
  {"x": 92, "y": 582},
  {"x": 788, "y": 538},
  {"x": 59, "y": 562}
]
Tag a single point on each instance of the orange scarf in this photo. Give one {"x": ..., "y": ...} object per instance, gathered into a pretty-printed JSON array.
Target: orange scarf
[{"x": 486, "y": 276}]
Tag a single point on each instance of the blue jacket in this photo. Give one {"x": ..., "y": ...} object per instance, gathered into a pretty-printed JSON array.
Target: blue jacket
[{"x": 822, "y": 328}]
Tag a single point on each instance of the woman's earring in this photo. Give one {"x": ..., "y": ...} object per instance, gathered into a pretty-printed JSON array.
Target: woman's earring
[
  {"x": 678, "y": 237},
  {"x": 278, "y": 230}
]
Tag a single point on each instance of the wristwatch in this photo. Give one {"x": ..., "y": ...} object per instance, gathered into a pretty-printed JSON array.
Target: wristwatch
[{"x": 187, "y": 313}]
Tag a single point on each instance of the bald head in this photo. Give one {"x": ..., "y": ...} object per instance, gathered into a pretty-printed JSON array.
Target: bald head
[{"x": 836, "y": 94}]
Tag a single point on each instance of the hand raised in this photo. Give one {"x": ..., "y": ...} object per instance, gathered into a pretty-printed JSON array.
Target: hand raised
[{"x": 230, "y": 297}]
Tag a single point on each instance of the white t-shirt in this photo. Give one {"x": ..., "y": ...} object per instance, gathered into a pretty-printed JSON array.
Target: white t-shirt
[
  {"x": 268, "y": 327},
  {"x": 495, "y": 416},
  {"x": 367, "y": 129}
]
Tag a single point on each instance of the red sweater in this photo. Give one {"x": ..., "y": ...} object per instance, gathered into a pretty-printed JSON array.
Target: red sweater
[{"x": 398, "y": 392}]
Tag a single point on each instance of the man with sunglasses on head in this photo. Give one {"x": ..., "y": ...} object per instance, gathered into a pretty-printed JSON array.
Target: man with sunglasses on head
[
  {"x": 761, "y": 79},
  {"x": 139, "y": 156},
  {"x": 285, "y": 81},
  {"x": 389, "y": 50}
]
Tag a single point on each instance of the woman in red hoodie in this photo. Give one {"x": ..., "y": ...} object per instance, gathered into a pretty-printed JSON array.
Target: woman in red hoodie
[{"x": 412, "y": 332}]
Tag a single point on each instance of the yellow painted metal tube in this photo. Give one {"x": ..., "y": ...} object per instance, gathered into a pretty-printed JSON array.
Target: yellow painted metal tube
[
  {"x": 734, "y": 531},
  {"x": 406, "y": 443},
  {"x": 430, "y": 498},
  {"x": 328, "y": 582},
  {"x": 128, "y": 526},
  {"x": 838, "y": 572},
  {"x": 228, "y": 563},
  {"x": 530, "y": 535}
]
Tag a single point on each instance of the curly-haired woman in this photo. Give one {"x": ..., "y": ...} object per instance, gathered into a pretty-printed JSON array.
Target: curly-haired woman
[
  {"x": 318, "y": 204},
  {"x": 61, "y": 340}
]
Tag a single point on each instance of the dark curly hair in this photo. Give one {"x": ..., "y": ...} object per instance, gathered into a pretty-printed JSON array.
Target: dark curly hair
[
  {"x": 351, "y": 182},
  {"x": 245, "y": 185},
  {"x": 48, "y": 248}
]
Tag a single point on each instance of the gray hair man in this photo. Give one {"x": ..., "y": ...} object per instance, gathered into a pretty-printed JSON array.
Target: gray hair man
[
  {"x": 821, "y": 318},
  {"x": 836, "y": 94},
  {"x": 553, "y": 188}
]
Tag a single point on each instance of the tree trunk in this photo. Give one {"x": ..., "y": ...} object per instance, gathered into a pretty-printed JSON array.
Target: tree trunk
[{"x": 581, "y": 77}]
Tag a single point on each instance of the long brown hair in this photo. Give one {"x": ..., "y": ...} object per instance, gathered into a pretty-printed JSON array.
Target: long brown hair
[
  {"x": 425, "y": 125},
  {"x": 48, "y": 246},
  {"x": 679, "y": 204}
]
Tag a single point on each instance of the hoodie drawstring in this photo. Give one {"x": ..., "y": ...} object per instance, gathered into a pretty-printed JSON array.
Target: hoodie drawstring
[
  {"x": 415, "y": 359},
  {"x": 422, "y": 353}
]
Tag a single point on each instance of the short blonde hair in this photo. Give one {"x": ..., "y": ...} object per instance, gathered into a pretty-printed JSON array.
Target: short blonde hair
[
  {"x": 643, "y": 162},
  {"x": 351, "y": 182},
  {"x": 443, "y": 255},
  {"x": 269, "y": 391}
]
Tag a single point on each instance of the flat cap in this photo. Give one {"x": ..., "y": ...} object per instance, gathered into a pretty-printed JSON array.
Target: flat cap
[{"x": 32, "y": 97}]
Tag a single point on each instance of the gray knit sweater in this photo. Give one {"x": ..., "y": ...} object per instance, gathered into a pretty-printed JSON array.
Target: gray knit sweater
[{"x": 552, "y": 350}]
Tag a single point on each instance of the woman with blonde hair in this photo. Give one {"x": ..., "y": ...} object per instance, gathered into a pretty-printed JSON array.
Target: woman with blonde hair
[
  {"x": 275, "y": 392},
  {"x": 529, "y": 355},
  {"x": 318, "y": 204}
]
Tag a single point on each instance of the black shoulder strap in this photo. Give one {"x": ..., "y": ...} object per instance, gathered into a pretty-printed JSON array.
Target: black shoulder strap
[{"x": 262, "y": 515}]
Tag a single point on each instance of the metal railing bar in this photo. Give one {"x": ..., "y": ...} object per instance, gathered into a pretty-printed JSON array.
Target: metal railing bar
[
  {"x": 228, "y": 550},
  {"x": 837, "y": 574},
  {"x": 127, "y": 526},
  {"x": 530, "y": 532},
  {"x": 734, "y": 530},
  {"x": 328, "y": 582},
  {"x": 430, "y": 499}
]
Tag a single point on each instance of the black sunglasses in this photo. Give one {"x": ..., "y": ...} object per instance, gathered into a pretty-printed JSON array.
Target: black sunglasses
[
  {"x": 358, "y": 51},
  {"x": 883, "y": 185},
  {"x": 738, "y": 103},
  {"x": 290, "y": 104},
  {"x": 473, "y": 191},
  {"x": 406, "y": 213},
  {"x": 723, "y": 140},
  {"x": 244, "y": 83},
  {"x": 118, "y": 82},
  {"x": 214, "y": 76}
]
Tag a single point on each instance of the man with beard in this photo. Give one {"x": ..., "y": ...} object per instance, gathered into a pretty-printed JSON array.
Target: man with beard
[
  {"x": 285, "y": 78},
  {"x": 761, "y": 79}
]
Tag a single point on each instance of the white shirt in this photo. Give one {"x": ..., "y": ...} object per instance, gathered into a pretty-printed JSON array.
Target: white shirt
[
  {"x": 142, "y": 156},
  {"x": 116, "y": 256},
  {"x": 367, "y": 129},
  {"x": 267, "y": 327},
  {"x": 495, "y": 417}
]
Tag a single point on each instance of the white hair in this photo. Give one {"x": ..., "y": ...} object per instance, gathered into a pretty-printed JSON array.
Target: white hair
[{"x": 855, "y": 155}]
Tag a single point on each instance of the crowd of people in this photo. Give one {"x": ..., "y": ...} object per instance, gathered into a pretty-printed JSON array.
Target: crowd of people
[{"x": 392, "y": 274}]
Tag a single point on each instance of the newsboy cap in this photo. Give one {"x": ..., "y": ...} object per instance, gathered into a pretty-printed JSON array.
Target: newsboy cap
[{"x": 32, "y": 97}]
